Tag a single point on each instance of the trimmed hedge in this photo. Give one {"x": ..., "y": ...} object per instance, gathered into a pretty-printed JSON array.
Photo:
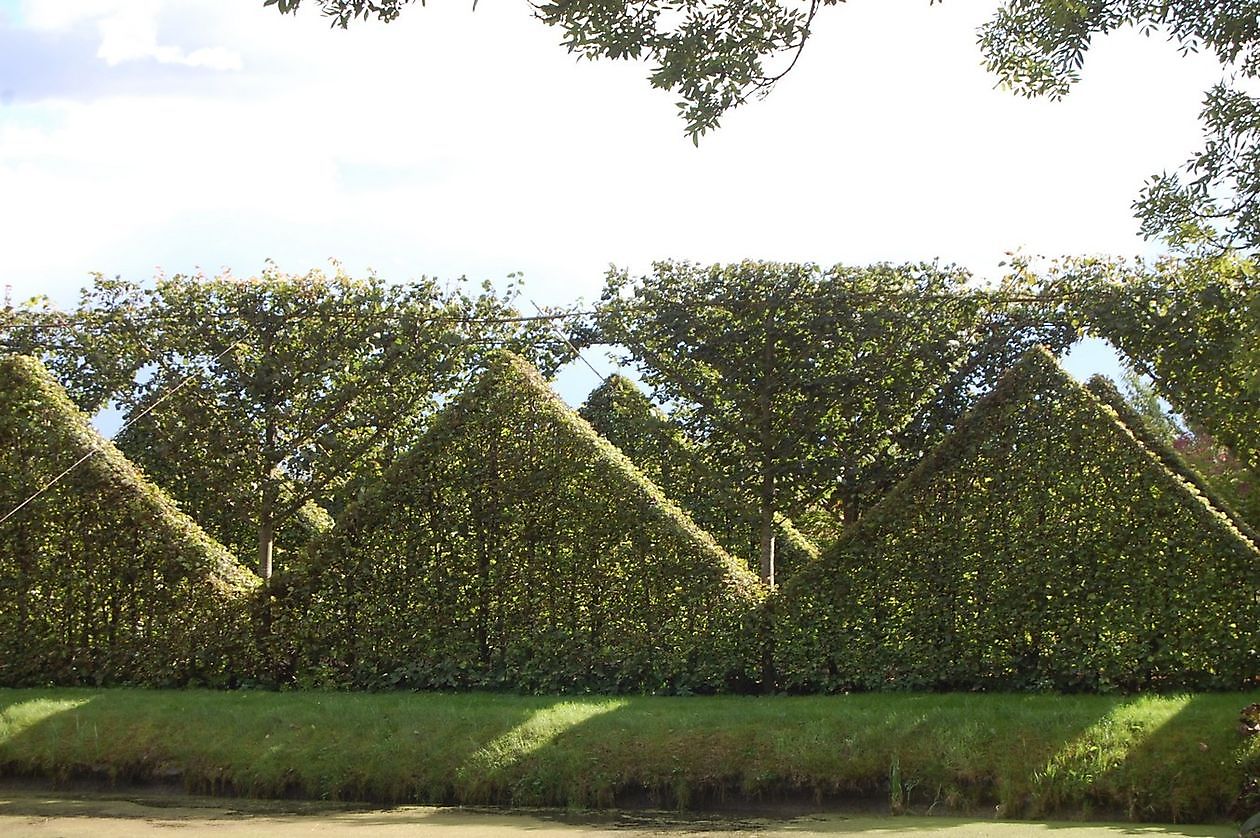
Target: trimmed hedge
[
  {"x": 1041, "y": 546},
  {"x": 623, "y": 415},
  {"x": 1049, "y": 543},
  {"x": 513, "y": 547},
  {"x": 102, "y": 579},
  {"x": 185, "y": 464},
  {"x": 1105, "y": 390}
]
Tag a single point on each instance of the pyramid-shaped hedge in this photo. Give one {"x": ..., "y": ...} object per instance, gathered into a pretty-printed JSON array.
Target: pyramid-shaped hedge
[
  {"x": 102, "y": 578},
  {"x": 199, "y": 467},
  {"x": 624, "y": 415},
  {"x": 1105, "y": 390},
  {"x": 514, "y": 547},
  {"x": 1042, "y": 545}
]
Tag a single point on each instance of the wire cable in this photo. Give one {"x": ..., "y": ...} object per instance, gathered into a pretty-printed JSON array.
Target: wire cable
[
  {"x": 577, "y": 353},
  {"x": 97, "y": 448}
]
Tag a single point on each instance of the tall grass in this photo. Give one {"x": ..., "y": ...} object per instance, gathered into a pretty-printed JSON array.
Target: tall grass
[{"x": 1170, "y": 758}]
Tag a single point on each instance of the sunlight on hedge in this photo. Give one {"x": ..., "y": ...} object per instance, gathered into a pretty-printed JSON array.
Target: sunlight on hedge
[
  {"x": 1041, "y": 546},
  {"x": 514, "y": 547},
  {"x": 103, "y": 579}
]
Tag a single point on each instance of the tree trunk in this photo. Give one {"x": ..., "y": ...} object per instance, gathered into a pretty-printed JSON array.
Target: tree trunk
[
  {"x": 269, "y": 462},
  {"x": 266, "y": 543},
  {"x": 267, "y": 525},
  {"x": 848, "y": 508},
  {"x": 767, "y": 531},
  {"x": 766, "y": 433}
]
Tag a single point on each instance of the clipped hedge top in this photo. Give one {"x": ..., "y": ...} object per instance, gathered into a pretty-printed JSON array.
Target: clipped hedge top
[
  {"x": 506, "y": 379},
  {"x": 1038, "y": 373},
  {"x": 1105, "y": 390},
  {"x": 622, "y": 414},
  {"x": 1041, "y": 545},
  {"x": 32, "y": 403}
]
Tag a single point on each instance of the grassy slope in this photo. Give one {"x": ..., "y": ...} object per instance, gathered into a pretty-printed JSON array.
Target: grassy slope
[{"x": 1147, "y": 758}]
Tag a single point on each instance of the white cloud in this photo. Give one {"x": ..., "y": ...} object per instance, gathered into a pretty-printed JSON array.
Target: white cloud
[
  {"x": 450, "y": 142},
  {"x": 62, "y": 14},
  {"x": 130, "y": 33},
  {"x": 128, "y": 30}
]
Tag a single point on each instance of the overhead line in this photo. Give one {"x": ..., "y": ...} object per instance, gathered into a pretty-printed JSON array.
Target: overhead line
[
  {"x": 577, "y": 353},
  {"x": 97, "y": 448}
]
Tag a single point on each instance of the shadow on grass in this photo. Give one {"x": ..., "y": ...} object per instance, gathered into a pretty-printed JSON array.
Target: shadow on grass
[
  {"x": 383, "y": 747},
  {"x": 887, "y": 753},
  {"x": 1173, "y": 758},
  {"x": 1154, "y": 759},
  {"x": 984, "y": 756}
]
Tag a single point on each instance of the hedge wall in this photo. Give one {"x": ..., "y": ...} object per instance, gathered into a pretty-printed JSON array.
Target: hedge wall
[
  {"x": 623, "y": 415},
  {"x": 1105, "y": 390},
  {"x": 102, "y": 578},
  {"x": 208, "y": 483},
  {"x": 1040, "y": 546},
  {"x": 514, "y": 547}
]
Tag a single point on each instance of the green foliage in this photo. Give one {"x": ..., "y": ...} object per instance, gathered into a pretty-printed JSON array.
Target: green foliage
[
  {"x": 94, "y": 351},
  {"x": 1192, "y": 325},
  {"x": 1238, "y": 486},
  {"x": 1140, "y": 398},
  {"x": 289, "y": 387},
  {"x": 102, "y": 578},
  {"x": 188, "y": 447},
  {"x": 1040, "y": 546},
  {"x": 624, "y": 415},
  {"x": 814, "y": 386},
  {"x": 1171, "y": 453},
  {"x": 1037, "y": 48},
  {"x": 513, "y": 547},
  {"x": 315, "y": 372}
]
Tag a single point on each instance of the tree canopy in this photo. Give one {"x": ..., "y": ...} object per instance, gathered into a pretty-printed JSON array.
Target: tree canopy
[
  {"x": 626, "y": 417},
  {"x": 812, "y": 386},
  {"x": 249, "y": 399},
  {"x": 1191, "y": 325}
]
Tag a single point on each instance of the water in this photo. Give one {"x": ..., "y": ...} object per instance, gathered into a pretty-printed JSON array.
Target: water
[{"x": 34, "y": 815}]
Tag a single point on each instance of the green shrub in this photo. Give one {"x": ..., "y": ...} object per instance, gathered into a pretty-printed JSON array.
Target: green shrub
[
  {"x": 200, "y": 467},
  {"x": 513, "y": 547},
  {"x": 102, "y": 578},
  {"x": 623, "y": 415},
  {"x": 1042, "y": 545},
  {"x": 1106, "y": 392}
]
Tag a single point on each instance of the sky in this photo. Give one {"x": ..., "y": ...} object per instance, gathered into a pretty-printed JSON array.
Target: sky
[{"x": 139, "y": 136}]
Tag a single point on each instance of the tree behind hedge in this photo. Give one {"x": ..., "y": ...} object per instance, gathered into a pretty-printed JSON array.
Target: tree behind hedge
[
  {"x": 818, "y": 387},
  {"x": 623, "y": 415},
  {"x": 514, "y": 547},
  {"x": 301, "y": 383},
  {"x": 193, "y": 450},
  {"x": 1040, "y": 546},
  {"x": 1192, "y": 325},
  {"x": 102, "y": 578},
  {"x": 1106, "y": 391}
]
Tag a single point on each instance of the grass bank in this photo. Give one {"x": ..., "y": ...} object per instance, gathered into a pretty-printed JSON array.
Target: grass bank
[{"x": 1170, "y": 758}]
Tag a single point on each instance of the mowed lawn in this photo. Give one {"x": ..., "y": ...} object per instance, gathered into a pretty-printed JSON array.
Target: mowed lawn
[{"x": 1149, "y": 758}]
